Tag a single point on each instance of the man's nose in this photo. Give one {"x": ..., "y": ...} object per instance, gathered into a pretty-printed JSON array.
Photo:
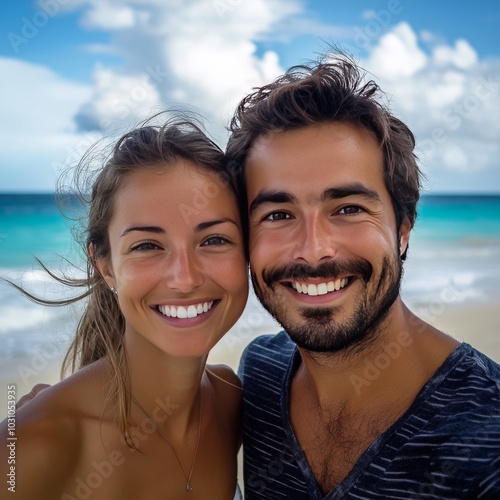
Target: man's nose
[{"x": 314, "y": 240}]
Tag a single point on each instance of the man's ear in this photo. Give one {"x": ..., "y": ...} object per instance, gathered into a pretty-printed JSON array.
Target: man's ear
[
  {"x": 103, "y": 266},
  {"x": 404, "y": 236}
]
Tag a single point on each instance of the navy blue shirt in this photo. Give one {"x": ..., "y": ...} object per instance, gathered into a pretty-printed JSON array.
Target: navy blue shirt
[{"x": 446, "y": 445}]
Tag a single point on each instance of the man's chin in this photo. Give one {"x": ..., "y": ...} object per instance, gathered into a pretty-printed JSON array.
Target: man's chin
[{"x": 328, "y": 343}]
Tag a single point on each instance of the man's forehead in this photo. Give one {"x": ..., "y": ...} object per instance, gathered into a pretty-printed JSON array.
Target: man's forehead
[
  {"x": 316, "y": 164},
  {"x": 315, "y": 141},
  {"x": 305, "y": 154}
]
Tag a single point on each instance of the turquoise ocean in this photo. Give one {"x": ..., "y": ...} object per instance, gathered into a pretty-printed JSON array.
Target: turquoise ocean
[{"x": 454, "y": 260}]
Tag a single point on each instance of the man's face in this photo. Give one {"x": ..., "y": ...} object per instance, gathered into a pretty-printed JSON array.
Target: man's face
[{"x": 324, "y": 248}]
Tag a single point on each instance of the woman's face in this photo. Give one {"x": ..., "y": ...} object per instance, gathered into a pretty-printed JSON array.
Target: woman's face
[{"x": 177, "y": 258}]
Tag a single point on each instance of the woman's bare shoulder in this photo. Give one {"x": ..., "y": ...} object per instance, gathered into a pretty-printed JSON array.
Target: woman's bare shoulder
[
  {"x": 227, "y": 393},
  {"x": 78, "y": 395},
  {"x": 224, "y": 376},
  {"x": 227, "y": 388},
  {"x": 48, "y": 433},
  {"x": 44, "y": 449}
]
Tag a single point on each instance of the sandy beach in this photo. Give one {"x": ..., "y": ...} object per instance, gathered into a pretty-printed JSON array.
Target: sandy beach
[{"x": 476, "y": 324}]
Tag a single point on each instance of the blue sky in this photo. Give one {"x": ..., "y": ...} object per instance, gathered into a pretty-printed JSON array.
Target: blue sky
[{"x": 74, "y": 70}]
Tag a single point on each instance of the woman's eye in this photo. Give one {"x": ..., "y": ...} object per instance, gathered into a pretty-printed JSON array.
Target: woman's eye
[
  {"x": 144, "y": 246},
  {"x": 277, "y": 216},
  {"x": 214, "y": 240}
]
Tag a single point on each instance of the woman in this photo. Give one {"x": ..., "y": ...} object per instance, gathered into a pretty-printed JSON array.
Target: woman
[{"x": 143, "y": 417}]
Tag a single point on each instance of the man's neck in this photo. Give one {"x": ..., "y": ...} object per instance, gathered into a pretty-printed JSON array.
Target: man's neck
[
  {"x": 340, "y": 404},
  {"x": 404, "y": 354}
]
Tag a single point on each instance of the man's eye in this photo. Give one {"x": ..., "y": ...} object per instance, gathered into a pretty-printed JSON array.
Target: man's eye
[
  {"x": 350, "y": 210},
  {"x": 276, "y": 216}
]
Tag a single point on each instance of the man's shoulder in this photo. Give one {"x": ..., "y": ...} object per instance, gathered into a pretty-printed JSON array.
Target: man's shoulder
[
  {"x": 490, "y": 367},
  {"x": 274, "y": 341},
  {"x": 266, "y": 353},
  {"x": 277, "y": 345},
  {"x": 478, "y": 370},
  {"x": 464, "y": 398}
]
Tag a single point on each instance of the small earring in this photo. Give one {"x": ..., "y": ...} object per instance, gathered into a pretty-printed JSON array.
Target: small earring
[{"x": 114, "y": 290}]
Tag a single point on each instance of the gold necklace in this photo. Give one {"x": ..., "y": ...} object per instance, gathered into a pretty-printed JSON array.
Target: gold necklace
[
  {"x": 223, "y": 380},
  {"x": 189, "y": 487}
]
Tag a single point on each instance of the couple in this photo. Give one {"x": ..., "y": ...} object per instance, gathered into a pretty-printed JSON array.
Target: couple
[{"x": 319, "y": 189}]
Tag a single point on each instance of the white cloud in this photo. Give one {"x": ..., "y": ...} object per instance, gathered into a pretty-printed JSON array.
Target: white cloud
[
  {"x": 450, "y": 100},
  {"x": 454, "y": 158},
  {"x": 369, "y": 14},
  {"x": 206, "y": 54},
  {"x": 427, "y": 36},
  {"x": 397, "y": 54},
  {"x": 201, "y": 53},
  {"x": 462, "y": 55},
  {"x": 99, "y": 48},
  {"x": 107, "y": 17},
  {"x": 117, "y": 101},
  {"x": 444, "y": 88},
  {"x": 37, "y": 124}
]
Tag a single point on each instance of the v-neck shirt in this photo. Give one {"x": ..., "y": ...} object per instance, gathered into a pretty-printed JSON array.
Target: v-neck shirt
[{"x": 446, "y": 445}]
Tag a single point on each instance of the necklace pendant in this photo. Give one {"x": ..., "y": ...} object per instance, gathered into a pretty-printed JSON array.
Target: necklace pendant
[{"x": 188, "y": 487}]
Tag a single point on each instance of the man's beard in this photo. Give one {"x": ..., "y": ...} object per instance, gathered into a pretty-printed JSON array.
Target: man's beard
[{"x": 320, "y": 330}]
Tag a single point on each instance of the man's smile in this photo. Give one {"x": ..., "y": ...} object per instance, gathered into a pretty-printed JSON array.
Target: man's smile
[{"x": 320, "y": 288}]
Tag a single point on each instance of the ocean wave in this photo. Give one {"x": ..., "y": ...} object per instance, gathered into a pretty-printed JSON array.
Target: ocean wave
[{"x": 17, "y": 317}]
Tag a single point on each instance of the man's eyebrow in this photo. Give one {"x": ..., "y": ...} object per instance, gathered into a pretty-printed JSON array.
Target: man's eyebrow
[
  {"x": 205, "y": 225},
  {"x": 271, "y": 197},
  {"x": 355, "y": 189},
  {"x": 145, "y": 229}
]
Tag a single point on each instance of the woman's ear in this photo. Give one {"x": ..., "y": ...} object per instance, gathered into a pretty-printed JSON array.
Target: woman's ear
[{"x": 103, "y": 266}]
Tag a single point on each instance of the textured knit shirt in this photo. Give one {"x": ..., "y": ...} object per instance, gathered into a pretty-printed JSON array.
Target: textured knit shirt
[{"x": 446, "y": 445}]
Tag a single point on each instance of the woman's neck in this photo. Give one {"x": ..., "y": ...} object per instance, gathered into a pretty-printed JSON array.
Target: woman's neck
[{"x": 167, "y": 388}]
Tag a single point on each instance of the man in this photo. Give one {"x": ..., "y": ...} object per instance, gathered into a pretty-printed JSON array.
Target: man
[{"x": 357, "y": 397}]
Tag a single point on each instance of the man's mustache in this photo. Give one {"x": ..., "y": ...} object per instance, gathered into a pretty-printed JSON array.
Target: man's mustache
[{"x": 331, "y": 269}]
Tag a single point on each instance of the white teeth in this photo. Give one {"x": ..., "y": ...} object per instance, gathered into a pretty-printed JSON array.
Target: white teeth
[
  {"x": 320, "y": 288},
  {"x": 186, "y": 312}
]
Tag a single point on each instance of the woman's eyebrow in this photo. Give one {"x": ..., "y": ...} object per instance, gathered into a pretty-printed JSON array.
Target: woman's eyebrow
[
  {"x": 159, "y": 230},
  {"x": 145, "y": 229},
  {"x": 205, "y": 225}
]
